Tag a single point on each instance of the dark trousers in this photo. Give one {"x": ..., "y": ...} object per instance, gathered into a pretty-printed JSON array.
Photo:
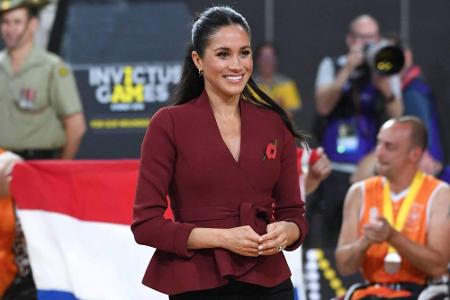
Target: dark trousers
[{"x": 236, "y": 290}]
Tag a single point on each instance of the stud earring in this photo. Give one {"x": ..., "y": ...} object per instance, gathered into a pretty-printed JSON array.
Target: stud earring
[{"x": 200, "y": 73}]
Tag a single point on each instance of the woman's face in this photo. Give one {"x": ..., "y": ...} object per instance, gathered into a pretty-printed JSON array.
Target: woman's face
[{"x": 227, "y": 62}]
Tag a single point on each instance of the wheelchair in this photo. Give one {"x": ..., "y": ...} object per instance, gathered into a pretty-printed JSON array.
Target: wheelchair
[{"x": 433, "y": 290}]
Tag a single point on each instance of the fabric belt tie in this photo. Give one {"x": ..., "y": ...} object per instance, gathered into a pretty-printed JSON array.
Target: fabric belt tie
[{"x": 248, "y": 213}]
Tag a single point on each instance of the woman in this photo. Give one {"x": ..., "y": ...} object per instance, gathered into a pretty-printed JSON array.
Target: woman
[{"x": 228, "y": 162}]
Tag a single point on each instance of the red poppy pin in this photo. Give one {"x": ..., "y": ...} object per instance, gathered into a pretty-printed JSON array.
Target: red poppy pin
[{"x": 271, "y": 150}]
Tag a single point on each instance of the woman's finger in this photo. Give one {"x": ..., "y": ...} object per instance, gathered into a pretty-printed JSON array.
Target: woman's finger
[
  {"x": 251, "y": 234},
  {"x": 251, "y": 244},
  {"x": 273, "y": 250},
  {"x": 273, "y": 230},
  {"x": 269, "y": 236},
  {"x": 253, "y": 252},
  {"x": 273, "y": 244}
]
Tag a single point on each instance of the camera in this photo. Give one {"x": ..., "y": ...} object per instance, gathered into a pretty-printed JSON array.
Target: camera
[{"x": 384, "y": 58}]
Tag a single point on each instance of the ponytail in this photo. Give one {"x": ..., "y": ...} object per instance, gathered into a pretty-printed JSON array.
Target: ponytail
[{"x": 191, "y": 84}]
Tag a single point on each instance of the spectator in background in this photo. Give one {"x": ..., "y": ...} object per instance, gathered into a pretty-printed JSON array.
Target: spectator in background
[
  {"x": 40, "y": 109},
  {"x": 313, "y": 169},
  {"x": 8, "y": 265},
  {"x": 418, "y": 101},
  {"x": 16, "y": 282},
  {"x": 278, "y": 86},
  {"x": 351, "y": 101},
  {"x": 396, "y": 226}
]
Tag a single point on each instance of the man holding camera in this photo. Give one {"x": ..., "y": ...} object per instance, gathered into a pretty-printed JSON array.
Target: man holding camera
[{"x": 352, "y": 102}]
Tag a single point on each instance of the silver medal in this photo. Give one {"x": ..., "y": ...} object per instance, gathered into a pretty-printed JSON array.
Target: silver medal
[{"x": 392, "y": 262}]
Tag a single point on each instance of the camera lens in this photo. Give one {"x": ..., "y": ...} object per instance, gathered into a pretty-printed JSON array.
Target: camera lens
[{"x": 389, "y": 60}]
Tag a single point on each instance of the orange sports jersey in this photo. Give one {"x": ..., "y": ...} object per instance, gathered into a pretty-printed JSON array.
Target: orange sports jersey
[
  {"x": 414, "y": 229},
  {"x": 8, "y": 267}
]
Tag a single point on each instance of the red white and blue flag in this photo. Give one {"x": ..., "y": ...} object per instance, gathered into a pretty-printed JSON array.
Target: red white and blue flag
[{"x": 76, "y": 216}]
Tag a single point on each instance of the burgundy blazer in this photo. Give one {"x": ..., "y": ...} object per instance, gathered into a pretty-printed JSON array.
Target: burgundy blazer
[{"x": 184, "y": 155}]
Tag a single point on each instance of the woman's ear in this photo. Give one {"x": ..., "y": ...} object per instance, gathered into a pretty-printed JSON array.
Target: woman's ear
[{"x": 197, "y": 60}]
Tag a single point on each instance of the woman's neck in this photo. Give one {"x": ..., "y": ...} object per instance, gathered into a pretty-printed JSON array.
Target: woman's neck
[{"x": 225, "y": 107}]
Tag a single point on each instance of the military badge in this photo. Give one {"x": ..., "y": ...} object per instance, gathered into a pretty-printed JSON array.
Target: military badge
[{"x": 27, "y": 99}]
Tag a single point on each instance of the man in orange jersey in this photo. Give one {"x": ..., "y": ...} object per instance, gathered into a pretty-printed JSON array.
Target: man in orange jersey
[{"x": 396, "y": 226}]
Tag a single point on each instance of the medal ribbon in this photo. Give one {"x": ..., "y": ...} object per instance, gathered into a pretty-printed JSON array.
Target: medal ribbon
[{"x": 403, "y": 212}]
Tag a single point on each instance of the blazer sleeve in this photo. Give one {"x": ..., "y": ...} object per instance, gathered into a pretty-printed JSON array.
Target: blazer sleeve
[
  {"x": 158, "y": 154},
  {"x": 288, "y": 204}
]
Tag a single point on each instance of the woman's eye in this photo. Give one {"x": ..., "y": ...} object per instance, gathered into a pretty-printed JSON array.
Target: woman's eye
[
  {"x": 245, "y": 53},
  {"x": 222, "y": 54}
]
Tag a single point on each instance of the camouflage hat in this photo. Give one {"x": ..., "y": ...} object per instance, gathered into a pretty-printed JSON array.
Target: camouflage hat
[{"x": 6, "y": 5}]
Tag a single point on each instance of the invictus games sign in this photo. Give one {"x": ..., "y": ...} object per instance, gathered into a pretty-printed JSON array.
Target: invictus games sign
[
  {"x": 120, "y": 99},
  {"x": 124, "y": 96},
  {"x": 131, "y": 88},
  {"x": 129, "y": 69}
]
